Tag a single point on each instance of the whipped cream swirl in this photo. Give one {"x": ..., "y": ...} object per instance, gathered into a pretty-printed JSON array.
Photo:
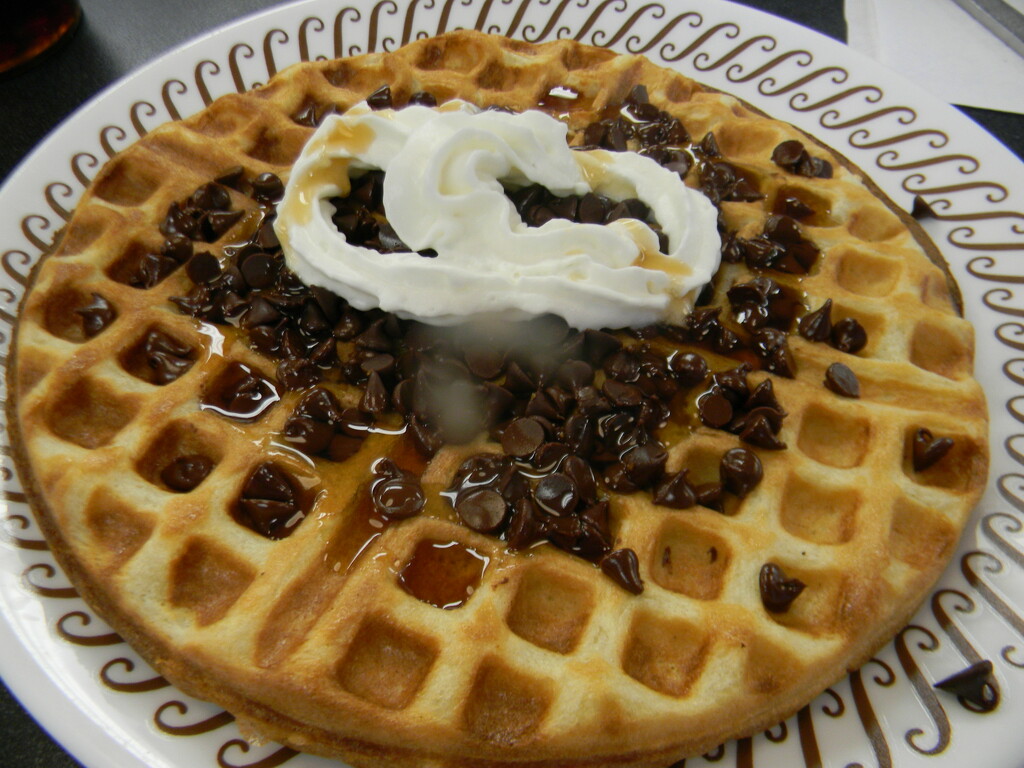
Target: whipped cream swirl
[{"x": 443, "y": 190}]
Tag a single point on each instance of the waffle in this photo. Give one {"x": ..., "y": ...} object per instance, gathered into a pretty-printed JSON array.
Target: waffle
[{"x": 163, "y": 470}]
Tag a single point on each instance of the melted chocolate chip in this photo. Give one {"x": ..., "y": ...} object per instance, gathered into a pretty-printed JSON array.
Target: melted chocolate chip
[
  {"x": 240, "y": 393},
  {"x": 778, "y": 592},
  {"x": 269, "y": 502},
  {"x": 96, "y": 315},
  {"x": 623, "y": 567},
  {"x": 927, "y": 449},
  {"x": 167, "y": 358},
  {"x": 841, "y": 380},
  {"x": 186, "y": 472}
]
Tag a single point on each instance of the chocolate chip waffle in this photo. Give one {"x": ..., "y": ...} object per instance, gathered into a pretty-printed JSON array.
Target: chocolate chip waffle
[{"x": 621, "y": 548}]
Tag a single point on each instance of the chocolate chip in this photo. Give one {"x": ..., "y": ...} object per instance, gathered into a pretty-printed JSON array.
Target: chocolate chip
[
  {"x": 211, "y": 197},
  {"x": 426, "y": 439},
  {"x": 595, "y": 537},
  {"x": 267, "y": 187},
  {"x": 623, "y": 567},
  {"x": 320, "y": 404},
  {"x": 258, "y": 270},
  {"x": 202, "y": 268},
  {"x": 709, "y": 146},
  {"x": 788, "y": 153},
  {"x": 927, "y": 449},
  {"x": 848, "y": 335},
  {"x": 216, "y": 223},
  {"x": 778, "y": 592},
  {"x": 622, "y": 366},
  {"x": 574, "y": 374},
  {"x": 689, "y": 368},
  {"x": 974, "y": 685},
  {"x": 525, "y": 528},
  {"x": 272, "y": 519},
  {"x": 240, "y": 393},
  {"x": 380, "y": 99},
  {"x": 592, "y": 209},
  {"x": 841, "y": 380},
  {"x": 375, "y": 397},
  {"x": 714, "y": 409},
  {"x": 96, "y": 315},
  {"x": 485, "y": 363},
  {"x": 674, "y": 491},
  {"x": 622, "y": 395},
  {"x": 269, "y": 481},
  {"x": 150, "y": 270},
  {"x": 167, "y": 358},
  {"x": 375, "y": 338},
  {"x": 597, "y": 345},
  {"x": 616, "y": 479},
  {"x": 791, "y": 205},
  {"x": 740, "y": 471},
  {"x": 758, "y": 432},
  {"x": 556, "y": 494},
  {"x": 709, "y": 495},
  {"x": 582, "y": 476},
  {"x": 307, "y": 434},
  {"x": 399, "y": 497},
  {"x": 482, "y": 510},
  {"x": 763, "y": 396},
  {"x": 296, "y": 373},
  {"x": 186, "y": 472},
  {"x": 522, "y": 437},
  {"x": 817, "y": 325},
  {"x": 921, "y": 209},
  {"x": 645, "y": 463}
]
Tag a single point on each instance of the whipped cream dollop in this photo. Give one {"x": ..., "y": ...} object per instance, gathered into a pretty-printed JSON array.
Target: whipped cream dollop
[{"x": 443, "y": 190}]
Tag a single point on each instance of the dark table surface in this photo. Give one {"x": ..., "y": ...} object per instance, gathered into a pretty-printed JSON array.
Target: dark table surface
[{"x": 118, "y": 36}]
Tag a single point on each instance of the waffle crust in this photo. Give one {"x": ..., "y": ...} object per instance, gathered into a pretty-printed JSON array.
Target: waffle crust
[{"x": 310, "y": 640}]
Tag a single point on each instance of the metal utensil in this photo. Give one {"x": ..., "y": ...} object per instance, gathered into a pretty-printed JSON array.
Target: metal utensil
[{"x": 1000, "y": 19}]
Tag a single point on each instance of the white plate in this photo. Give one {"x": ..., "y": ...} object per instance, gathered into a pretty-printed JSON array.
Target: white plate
[{"x": 110, "y": 710}]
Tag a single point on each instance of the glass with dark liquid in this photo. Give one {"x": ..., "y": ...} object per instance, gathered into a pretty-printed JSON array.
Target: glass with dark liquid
[{"x": 30, "y": 27}]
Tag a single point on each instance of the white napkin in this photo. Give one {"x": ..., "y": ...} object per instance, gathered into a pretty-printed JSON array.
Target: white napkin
[{"x": 942, "y": 48}]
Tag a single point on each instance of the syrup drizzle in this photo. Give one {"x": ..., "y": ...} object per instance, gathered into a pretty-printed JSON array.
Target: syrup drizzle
[{"x": 444, "y": 574}]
